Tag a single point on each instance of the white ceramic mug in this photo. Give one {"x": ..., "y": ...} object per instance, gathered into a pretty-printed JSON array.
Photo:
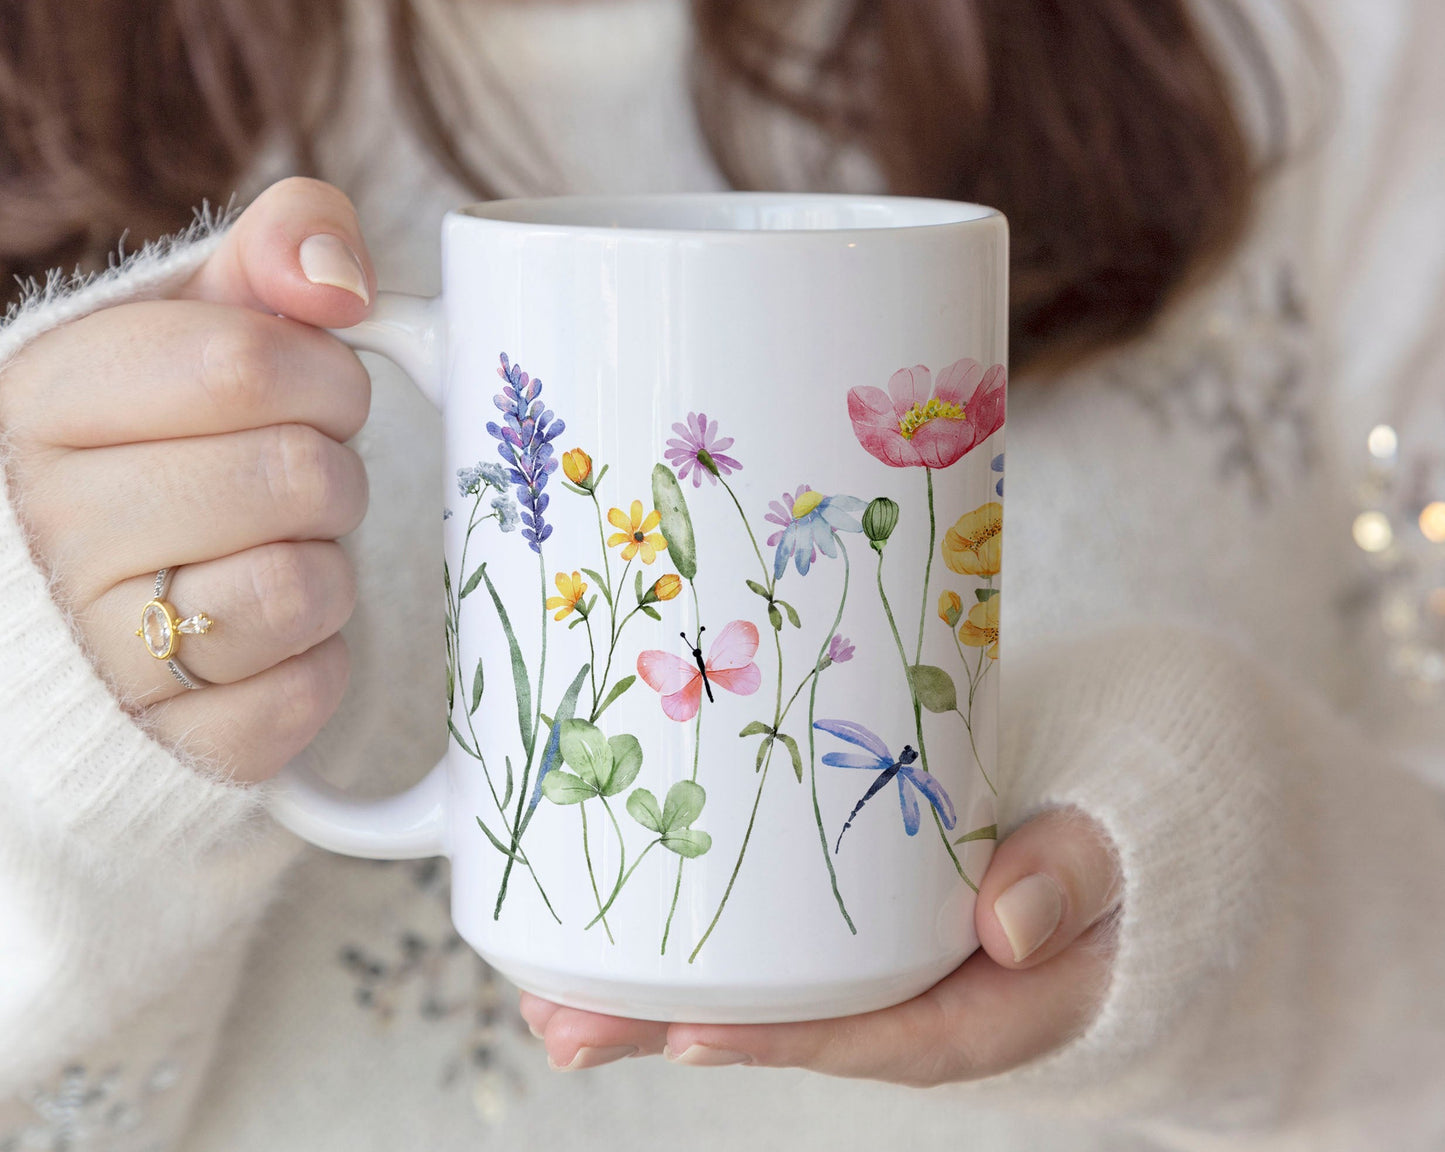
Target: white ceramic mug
[{"x": 722, "y": 598}]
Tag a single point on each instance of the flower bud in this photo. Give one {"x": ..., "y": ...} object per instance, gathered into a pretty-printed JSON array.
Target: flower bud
[
  {"x": 879, "y": 520},
  {"x": 950, "y": 608},
  {"x": 668, "y": 587},
  {"x": 704, "y": 457},
  {"x": 577, "y": 467}
]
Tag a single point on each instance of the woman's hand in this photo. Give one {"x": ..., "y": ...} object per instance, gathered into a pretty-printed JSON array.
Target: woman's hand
[
  {"x": 206, "y": 434},
  {"x": 1044, "y": 916}
]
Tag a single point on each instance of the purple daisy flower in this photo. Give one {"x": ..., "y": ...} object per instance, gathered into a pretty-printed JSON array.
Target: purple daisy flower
[
  {"x": 698, "y": 445},
  {"x": 809, "y": 522},
  {"x": 525, "y": 444}
]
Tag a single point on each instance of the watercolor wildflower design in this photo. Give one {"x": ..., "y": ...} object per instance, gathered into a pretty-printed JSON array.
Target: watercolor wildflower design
[
  {"x": 645, "y": 561},
  {"x": 920, "y": 423}
]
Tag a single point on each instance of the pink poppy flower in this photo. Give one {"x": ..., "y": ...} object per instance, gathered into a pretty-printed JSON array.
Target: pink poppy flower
[{"x": 917, "y": 424}]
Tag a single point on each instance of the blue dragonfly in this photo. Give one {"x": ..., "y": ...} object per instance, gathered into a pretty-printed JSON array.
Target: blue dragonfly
[{"x": 889, "y": 767}]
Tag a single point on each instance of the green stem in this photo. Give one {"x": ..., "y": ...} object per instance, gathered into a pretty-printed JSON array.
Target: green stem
[
  {"x": 907, "y": 670},
  {"x": 616, "y": 628},
  {"x": 623, "y": 882},
  {"x": 918, "y": 723},
  {"x": 606, "y": 559},
  {"x": 591, "y": 875},
  {"x": 455, "y": 606},
  {"x": 968, "y": 724},
  {"x": 611, "y": 653},
  {"x": 592, "y": 660},
  {"x": 812, "y": 744},
  {"x": 767, "y": 573},
  {"x": 743, "y": 851},
  {"x": 952, "y": 855},
  {"x": 928, "y": 568},
  {"x": 696, "y": 760},
  {"x": 767, "y": 763},
  {"x": 517, "y": 824},
  {"x": 621, "y": 847}
]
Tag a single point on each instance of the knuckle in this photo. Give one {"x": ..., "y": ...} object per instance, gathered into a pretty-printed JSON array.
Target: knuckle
[
  {"x": 310, "y": 688},
  {"x": 301, "y": 473},
  {"x": 286, "y": 592},
  {"x": 239, "y": 367}
]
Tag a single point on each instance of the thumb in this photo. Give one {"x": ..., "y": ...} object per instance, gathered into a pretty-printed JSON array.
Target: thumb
[
  {"x": 296, "y": 251},
  {"x": 1048, "y": 884}
]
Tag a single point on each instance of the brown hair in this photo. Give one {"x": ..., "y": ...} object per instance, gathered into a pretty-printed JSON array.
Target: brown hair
[{"x": 1105, "y": 130}]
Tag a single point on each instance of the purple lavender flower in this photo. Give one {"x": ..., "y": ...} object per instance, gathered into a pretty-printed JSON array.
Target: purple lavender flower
[
  {"x": 525, "y": 444},
  {"x": 699, "y": 452},
  {"x": 840, "y": 650}
]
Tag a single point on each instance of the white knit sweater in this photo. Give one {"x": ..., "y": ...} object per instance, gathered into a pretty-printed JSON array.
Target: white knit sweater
[{"x": 1190, "y": 660}]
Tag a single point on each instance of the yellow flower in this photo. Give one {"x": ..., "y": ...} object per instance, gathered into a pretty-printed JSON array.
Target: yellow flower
[
  {"x": 577, "y": 466},
  {"x": 573, "y": 588},
  {"x": 668, "y": 587},
  {"x": 950, "y": 608},
  {"x": 973, "y": 546},
  {"x": 638, "y": 533},
  {"x": 980, "y": 630}
]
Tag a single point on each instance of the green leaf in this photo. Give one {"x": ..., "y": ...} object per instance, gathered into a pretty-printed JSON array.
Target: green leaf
[
  {"x": 599, "y": 583},
  {"x": 685, "y": 802},
  {"x": 567, "y": 484},
  {"x": 547, "y": 720},
  {"x": 756, "y": 728},
  {"x": 577, "y": 623},
  {"x": 934, "y": 687},
  {"x": 690, "y": 842},
  {"x": 763, "y": 751},
  {"x": 460, "y": 739},
  {"x": 984, "y": 595},
  {"x": 617, "y": 690},
  {"x": 649, "y": 610},
  {"x": 760, "y": 590},
  {"x": 642, "y": 806},
  {"x": 585, "y": 751},
  {"x": 988, "y": 833},
  {"x": 553, "y": 749},
  {"x": 499, "y": 846},
  {"x": 564, "y": 788},
  {"x": 626, "y": 764},
  {"x": 792, "y": 614},
  {"x": 520, "y": 680},
  {"x": 677, "y": 530},
  {"x": 797, "y": 756},
  {"x": 641, "y": 591},
  {"x": 478, "y": 686},
  {"x": 591, "y": 604},
  {"x": 471, "y": 585},
  {"x": 507, "y": 795},
  {"x": 601, "y": 474},
  {"x": 775, "y": 618}
]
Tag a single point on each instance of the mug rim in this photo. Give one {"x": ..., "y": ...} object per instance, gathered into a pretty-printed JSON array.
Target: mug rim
[{"x": 538, "y": 213}]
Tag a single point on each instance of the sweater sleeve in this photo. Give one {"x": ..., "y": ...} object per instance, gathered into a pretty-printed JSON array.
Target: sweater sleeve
[
  {"x": 122, "y": 865},
  {"x": 1282, "y": 935}
]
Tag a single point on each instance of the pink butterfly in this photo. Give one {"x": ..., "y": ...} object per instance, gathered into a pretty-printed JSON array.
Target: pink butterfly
[{"x": 729, "y": 665}]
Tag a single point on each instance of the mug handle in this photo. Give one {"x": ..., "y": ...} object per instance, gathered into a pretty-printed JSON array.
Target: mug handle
[{"x": 411, "y": 331}]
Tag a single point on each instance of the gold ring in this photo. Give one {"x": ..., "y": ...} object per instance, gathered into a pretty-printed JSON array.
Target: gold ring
[{"x": 161, "y": 626}]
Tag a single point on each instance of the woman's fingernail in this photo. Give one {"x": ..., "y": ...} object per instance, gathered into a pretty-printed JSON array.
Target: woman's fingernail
[
  {"x": 533, "y": 1030},
  {"x": 594, "y": 1058},
  {"x": 701, "y": 1056},
  {"x": 1029, "y": 910},
  {"x": 326, "y": 259}
]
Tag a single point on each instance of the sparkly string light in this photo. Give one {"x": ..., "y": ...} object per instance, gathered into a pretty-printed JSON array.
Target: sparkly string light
[{"x": 1401, "y": 528}]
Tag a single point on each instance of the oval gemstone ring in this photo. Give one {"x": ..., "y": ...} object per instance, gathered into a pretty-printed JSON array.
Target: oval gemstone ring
[{"x": 161, "y": 626}]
